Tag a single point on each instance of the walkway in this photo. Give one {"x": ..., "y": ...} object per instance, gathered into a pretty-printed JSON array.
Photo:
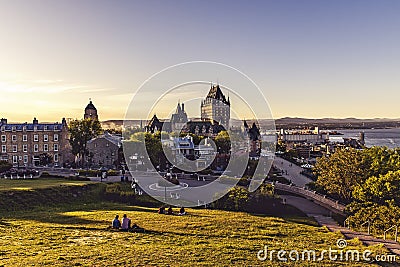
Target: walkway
[
  {"x": 293, "y": 172},
  {"x": 322, "y": 216},
  {"x": 366, "y": 239},
  {"x": 307, "y": 206}
]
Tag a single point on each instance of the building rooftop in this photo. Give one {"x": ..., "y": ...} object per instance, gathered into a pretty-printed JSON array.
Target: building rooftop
[
  {"x": 35, "y": 125},
  {"x": 90, "y": 106}
]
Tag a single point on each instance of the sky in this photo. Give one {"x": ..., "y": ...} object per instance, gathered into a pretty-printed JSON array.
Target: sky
[{"x": 310, "y": 58}]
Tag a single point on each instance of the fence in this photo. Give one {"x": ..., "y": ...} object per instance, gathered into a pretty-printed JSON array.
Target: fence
[{"x": 320, "y": 199}]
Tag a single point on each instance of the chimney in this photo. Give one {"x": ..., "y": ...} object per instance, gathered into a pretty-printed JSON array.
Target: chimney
[
  {"x": 183, "y": 107},
  {"x": 35, "y": 121},
  {"x": 3, "y": 121}
]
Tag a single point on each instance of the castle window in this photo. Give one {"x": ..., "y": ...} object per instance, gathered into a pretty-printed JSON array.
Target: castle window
[
  {"x": 55, "y": 147},
  {"x": 55, "y": 157},
  {"x": 55, "y": 137},
  {"x": 3, "y": 149},
  {"x": 35, "y": 148},
  {"x": 45, "y": 147},
  {"x": 25, "y": 159},
  {"x": 36, "y": 138},
  {"x": 24, "y": 128},
  {"x": 3, "y": 128},
  {"x": 14, "y": 138},
  {"x": 13, "y": 128},
  {"x": 3, "y": 138},
  {"x": 24, "y": 138},
  {"x": 15, "y": 148},
  {"x": 25, "y": 148},
  {"x": 15, "y": 159},
  {"x": 45, "y": 138}
]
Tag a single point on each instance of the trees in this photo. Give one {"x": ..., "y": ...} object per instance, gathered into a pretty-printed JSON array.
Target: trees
[
  {"x": 379, "y": 189},
  {"x": 45, "y": 159},
  {"x": 223, "y": 143},
  {"x": 381, "y": 160},
  {"x": 341, "y": 172},
  {"x": 154, "y": 149},
  {"x": 81, "y": 131},
  {"x": 369, "y": 179},
  {"x": 5, "y": 166}
]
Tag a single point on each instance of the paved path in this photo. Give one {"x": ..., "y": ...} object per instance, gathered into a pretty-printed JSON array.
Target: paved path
[
  {"x": 293, "y": 172},
  {"x": 366, "y": 239},
  {"x": 307, "y": 206},
  {"x": 322, "y": 216}
]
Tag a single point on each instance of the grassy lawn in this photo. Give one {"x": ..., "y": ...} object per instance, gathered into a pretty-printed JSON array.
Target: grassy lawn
[
  {"x": 32, "y": 184},
  {"x": 77, "y": 235}
]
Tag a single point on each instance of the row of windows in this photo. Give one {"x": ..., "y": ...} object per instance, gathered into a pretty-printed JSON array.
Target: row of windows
[
  {"x": 35, "y": 128},
  {"x": 25, "y": 148},
  {"x": 26, "y": 157},
  {"x": 25, "y": 138}
]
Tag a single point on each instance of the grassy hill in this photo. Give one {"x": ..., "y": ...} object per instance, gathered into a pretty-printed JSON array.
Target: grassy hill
[{"x": 76, "y": 234}]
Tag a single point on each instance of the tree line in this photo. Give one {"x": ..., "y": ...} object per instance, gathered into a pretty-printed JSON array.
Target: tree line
[{"x": 367, "y": 180}]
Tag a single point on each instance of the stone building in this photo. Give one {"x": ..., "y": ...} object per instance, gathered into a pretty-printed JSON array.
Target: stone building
[
  {"x": 91, "y": 112},
  {"x": 215, "y": 116},
  {"x": 155, "y": 124},
  {"x": 216, "y": 107},
  {"x": 179, "y": 118},
  {"x": 105, "y": 151},
  {"x": 35, "y": 144}
]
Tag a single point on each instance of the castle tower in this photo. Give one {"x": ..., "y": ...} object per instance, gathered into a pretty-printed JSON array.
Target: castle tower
[
  {"x": 179, "y": 118},
  {"x": 216, "y": 107},
  {"x": 91, "y": 112}
]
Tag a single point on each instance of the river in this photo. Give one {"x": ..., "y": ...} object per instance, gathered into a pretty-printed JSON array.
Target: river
[{"x": 373, "y": 137}]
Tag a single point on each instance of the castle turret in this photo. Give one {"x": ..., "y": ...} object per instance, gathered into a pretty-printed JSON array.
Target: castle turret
[{"x": 91, "y": 112}]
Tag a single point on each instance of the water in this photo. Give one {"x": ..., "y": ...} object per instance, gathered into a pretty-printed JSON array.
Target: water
[{"x": 373, "y": 137}]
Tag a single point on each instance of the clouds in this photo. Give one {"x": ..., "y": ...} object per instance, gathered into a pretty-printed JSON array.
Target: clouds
[{"x": 51, "y": 99}]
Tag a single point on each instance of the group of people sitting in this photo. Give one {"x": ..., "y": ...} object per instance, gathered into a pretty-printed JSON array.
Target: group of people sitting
[
  {"x": 125, "y": 225},
  {"x": 170, "y": 211}
]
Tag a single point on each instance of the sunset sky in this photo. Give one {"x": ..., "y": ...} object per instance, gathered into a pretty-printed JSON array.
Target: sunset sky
[{"x": 310, "y": 58}]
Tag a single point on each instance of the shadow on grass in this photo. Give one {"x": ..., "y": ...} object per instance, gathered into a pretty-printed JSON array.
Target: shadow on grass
[
  {"x": 52, "y": 217},
  {"x": 107, "y": 229}
]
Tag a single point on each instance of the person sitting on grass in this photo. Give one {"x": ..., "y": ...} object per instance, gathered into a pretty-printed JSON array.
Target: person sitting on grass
[
  {"x": 116, "y": 224},
  {"x": 126, "y": 223},
  {"x": 170, "y": 211},
  {"x": 161, "y": 210},
  {"x": 182, "y": 211},
  {"x": 137, "y": 229}
]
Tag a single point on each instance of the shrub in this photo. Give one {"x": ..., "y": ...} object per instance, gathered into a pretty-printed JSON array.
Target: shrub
[
  {"x": 236, "y": 200},
  {"x": 5, "y": 166}
]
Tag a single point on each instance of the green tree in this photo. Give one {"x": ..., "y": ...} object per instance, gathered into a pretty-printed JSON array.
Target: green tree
[
  {"x": 45, "y": 159},
  {"x": 381, "y": 160},
  {"x": 379, "y": 189},
  {"x": 236, "y": 199},
  {"x": 5, "y": 166},
  {"x": 341, "y": 172},
  {"x": 81, "y": 131},
  {"x": 154, "y": 148},
  {"x": 222, "y": 141}
]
